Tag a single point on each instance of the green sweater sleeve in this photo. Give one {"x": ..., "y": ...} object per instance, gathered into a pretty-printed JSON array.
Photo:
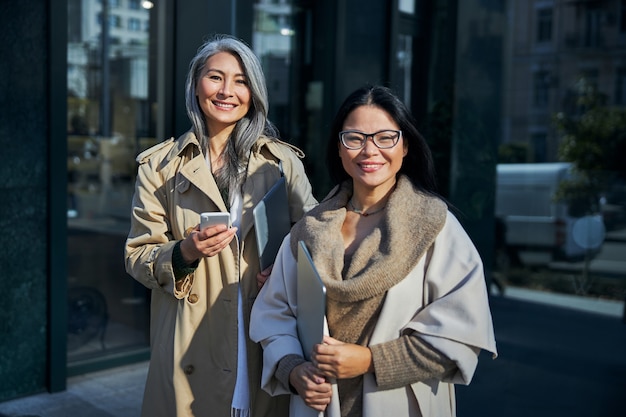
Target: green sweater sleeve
[{"x": 180, "y": 267}]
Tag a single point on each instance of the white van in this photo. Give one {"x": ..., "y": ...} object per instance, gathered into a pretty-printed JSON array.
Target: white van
[{"x": 532, "y": 227}]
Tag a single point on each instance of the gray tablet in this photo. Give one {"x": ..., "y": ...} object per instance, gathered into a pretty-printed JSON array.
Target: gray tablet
[
  {"x": 271, "y": 222},
  {"x": 311, "y": 302}
]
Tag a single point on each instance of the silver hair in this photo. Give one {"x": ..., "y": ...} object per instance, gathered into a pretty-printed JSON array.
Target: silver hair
[{"x": 250, "y": 127}]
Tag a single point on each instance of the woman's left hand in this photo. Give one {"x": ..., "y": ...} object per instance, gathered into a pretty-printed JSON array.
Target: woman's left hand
[
  {"x": 336, "y": 359},
  {"x": 262, "y": 276}
]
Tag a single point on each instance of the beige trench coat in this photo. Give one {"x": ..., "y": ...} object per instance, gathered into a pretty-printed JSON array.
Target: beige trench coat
[{"x": 193, "y": 327}]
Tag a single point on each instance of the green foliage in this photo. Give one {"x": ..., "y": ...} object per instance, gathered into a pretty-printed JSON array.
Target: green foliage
[
  {"x": 581, "y": 194},
  {"x": 593, "y": 139},
  {"x": 513, "y": 153}
]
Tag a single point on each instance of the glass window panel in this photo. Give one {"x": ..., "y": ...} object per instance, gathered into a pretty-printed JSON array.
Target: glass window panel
[
  {"x": 273, "y": 35},
  {"x": 134, "y": 24},
  {"x": 404, "y": 68},
  {"x": 541, "y": 89},
  {"x": 108, "y": 124},
  {"x": 544, "y": 25},
  {"x": 283, "y": 38},
  {"x": 593, "y": 26},
  {"x": 406, "y": 6},
  {"x": 538, "y": 145},
  {"x": 563, "y": 109}
]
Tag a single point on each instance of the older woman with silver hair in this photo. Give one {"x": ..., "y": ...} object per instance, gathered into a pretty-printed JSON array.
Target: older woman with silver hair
[{"x": 204, "y": 280}]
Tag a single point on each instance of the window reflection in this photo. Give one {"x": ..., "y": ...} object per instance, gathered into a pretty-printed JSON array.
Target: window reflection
[
  {"x": 108, "y": 123},
  {"x": 564, "y": 110},
  {"x": 273, "y": 43},
  {"x": 555, "y": 51},
  {"x": 404, "y": 68},
  {"x": 406, "y": 6},
  {"x": 544, "y": 25}
]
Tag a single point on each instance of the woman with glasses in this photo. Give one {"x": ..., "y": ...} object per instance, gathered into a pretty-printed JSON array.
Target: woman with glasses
[{"x": 407, "y": 311}]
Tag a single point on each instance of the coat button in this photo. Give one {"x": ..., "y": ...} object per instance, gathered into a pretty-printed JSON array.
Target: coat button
[
  {"x": 189, "y": 369},
  {"x": 193, "y": 298}
]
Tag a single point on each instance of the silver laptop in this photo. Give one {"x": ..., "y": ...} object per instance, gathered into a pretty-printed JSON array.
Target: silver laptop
[
  {"x": 311, "y": 302},
  {"x": 271, "y": 222}
]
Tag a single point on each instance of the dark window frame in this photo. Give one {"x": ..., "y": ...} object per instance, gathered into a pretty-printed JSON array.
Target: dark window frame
[
  {"x": 545, "y": 17},
  {"x": 541, "y": 89}
]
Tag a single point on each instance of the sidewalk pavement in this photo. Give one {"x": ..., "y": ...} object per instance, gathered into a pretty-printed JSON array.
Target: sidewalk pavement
[
  {"x": 114, "y": 392},
  {"x": 554, "y": 360}
]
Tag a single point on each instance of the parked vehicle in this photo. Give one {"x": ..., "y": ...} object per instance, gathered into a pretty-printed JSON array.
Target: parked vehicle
[{"x": 532, "y": 227}]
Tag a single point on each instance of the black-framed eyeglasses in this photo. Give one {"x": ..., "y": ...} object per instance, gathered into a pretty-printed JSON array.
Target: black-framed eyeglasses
[{"x": 383, "y": 139}]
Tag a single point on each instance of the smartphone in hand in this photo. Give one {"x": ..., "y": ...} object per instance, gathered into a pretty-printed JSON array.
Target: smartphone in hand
[{"x": 215, "y": 217}]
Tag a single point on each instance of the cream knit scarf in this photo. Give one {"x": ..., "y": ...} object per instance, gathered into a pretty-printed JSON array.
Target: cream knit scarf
[{"x": 355, "y": 291}]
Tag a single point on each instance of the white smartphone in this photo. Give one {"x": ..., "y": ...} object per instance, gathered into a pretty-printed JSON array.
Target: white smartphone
[{"x": 214, "y": 217}]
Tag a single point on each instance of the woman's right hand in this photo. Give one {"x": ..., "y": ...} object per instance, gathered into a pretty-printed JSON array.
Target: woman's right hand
[
  {"x": 311, "y": 386},
  {"x": 206, "y": 242}
]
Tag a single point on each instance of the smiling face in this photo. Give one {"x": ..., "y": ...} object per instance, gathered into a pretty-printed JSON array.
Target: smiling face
[
  {"x": 371, "y": 168},
  {"x": 223, "y": 93}
]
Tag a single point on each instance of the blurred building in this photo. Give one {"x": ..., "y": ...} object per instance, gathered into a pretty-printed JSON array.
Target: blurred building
[{"x": 551, "y": 47}]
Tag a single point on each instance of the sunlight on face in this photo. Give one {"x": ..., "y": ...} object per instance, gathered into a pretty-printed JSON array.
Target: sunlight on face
[
  {"x": 223, "y": 93},
  {"x": 371, "y": 167}
]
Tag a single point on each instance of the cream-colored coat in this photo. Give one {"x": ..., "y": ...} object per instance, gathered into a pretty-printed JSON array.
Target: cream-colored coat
[
  {"x": 193, "y": 330},
  {"x": 443, "y": 299}
]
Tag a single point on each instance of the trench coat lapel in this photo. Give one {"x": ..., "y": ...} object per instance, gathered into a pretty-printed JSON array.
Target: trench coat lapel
[{"x": 198, "y": 174}]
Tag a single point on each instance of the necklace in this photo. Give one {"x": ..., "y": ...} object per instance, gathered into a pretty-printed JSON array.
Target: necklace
[{"x": 363, "y": 212}]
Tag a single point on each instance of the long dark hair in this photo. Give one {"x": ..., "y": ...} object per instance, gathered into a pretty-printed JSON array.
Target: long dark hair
[{"x": 417, "y": 165}]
